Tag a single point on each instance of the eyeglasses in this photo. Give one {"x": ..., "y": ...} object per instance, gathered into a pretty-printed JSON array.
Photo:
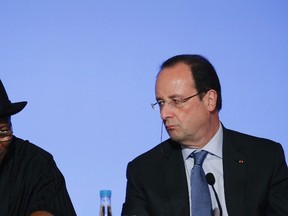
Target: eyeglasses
[
  {"x": 174, "y": 103},
  {"x": 6, "y": 135}
]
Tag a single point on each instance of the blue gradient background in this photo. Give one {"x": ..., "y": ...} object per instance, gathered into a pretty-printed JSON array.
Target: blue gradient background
[{"x": 87, "y": 69}]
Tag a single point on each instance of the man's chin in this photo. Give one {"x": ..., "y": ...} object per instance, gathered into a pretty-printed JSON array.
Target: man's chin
[{"x": 175, "y": 138}]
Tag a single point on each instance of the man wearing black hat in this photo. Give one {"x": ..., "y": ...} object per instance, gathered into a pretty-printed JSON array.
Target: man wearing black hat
[{"x": 30, "y": 182}]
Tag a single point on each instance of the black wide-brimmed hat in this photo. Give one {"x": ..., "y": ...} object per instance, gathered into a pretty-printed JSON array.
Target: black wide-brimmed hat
[{"x": 6, "y": 107}]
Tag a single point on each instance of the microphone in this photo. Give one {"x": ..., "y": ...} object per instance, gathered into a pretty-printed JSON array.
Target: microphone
[{"x": 211, "y": 181}]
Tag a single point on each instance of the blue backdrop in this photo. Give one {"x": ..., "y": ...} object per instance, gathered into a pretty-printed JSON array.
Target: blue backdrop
[{"x": 87, "y": 69}]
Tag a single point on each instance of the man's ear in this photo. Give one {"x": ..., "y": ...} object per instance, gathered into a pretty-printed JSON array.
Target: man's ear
[{"x": 211, "y": 100}]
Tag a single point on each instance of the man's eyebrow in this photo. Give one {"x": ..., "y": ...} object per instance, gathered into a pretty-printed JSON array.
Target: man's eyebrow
[
  {"x": 170, "y": 97},
  {"x": 175, "y": 96}
]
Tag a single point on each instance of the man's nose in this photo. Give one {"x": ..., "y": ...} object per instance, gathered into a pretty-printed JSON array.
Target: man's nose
[{"x": 166, "y": 111}]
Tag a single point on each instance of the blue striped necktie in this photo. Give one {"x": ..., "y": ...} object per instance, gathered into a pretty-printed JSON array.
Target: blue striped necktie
[{"x": 200, "y": 195}]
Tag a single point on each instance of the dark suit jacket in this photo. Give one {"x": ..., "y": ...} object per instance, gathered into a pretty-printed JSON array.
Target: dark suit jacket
[
  {"x": 255, "y": 179},
  {"x": 31, "y": 181}
]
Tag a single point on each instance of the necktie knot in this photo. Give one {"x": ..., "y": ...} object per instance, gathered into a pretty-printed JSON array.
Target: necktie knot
[{"x": 199, "y": 157}]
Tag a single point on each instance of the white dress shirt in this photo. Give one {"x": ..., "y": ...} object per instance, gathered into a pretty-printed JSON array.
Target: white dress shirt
[{"x": 214, "y": 164}]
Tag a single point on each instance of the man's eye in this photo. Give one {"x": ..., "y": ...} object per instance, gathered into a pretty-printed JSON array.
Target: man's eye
[
  {"x": 177, "y": 101},
  {"x": 161, "y": 103}
]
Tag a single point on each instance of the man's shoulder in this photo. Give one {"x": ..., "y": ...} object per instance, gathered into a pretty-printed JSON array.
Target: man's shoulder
[
  {"x": 249, "y": 140},
  {"x": 164, "y": 149},
  {"x": 30, "y": 151},
  {"x": 152, "y": 162}
]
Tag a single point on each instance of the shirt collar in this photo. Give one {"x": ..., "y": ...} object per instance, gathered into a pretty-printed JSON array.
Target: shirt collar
[{"x": 214, "y": 146}]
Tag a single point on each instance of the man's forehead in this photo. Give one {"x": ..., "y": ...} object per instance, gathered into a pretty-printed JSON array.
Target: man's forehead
[{"x": 5, "y": 119}]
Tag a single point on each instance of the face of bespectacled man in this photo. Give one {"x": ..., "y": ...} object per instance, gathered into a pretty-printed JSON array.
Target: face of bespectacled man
[
  {"x": 190, "y": 123},
  {"x": 6, "y": 135}
]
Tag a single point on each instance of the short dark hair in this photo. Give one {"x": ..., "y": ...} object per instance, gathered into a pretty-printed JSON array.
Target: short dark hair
[{"x": 203, "y": 72}]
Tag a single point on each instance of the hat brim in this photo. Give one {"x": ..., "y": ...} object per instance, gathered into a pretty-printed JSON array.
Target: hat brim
[{"x": 13, "y": 109}]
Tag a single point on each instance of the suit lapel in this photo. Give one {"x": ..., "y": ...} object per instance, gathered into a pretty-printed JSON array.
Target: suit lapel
[
  {"x": 234, "y": 167},
  {"x": 175, "y": 178}
]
